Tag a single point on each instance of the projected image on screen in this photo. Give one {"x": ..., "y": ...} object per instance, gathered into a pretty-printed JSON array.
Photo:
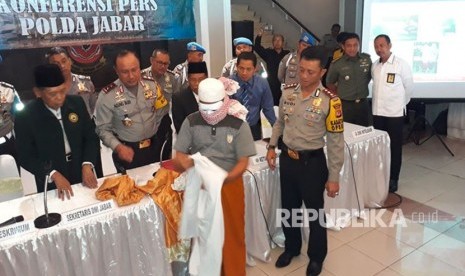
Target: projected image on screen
[{"x": 430, "y": 35}]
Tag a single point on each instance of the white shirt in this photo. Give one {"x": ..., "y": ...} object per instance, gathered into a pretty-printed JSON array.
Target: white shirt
[
  {"x": 202, "y": 216},
  {"x": 392, "y": 86},
  {"x": 57, "y": 114}
]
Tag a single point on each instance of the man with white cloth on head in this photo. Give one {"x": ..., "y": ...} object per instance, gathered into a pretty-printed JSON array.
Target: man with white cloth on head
[{"x": 217, "y": 134}]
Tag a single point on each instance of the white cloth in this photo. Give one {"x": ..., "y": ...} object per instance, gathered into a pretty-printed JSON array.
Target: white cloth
[
  {"x": 392, "y": 86},
  {"x": 202, "y": 216},
  {"x": 57, "y": 114}
]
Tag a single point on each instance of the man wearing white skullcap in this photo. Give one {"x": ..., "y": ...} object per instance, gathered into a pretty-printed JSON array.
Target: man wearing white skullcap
[{"x": 227, "y": 141}]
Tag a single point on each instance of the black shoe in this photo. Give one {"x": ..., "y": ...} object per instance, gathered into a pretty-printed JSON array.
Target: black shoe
[
  {"x": 393, "y": 185},
  {"x": 314, "y": 268},
  {"x": 284, "y": 259}
]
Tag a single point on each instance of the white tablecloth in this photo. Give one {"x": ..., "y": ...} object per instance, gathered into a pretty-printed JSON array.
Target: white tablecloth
[
  {"x": 364, "y": 182},
  {"x": 125, "y": 241}
]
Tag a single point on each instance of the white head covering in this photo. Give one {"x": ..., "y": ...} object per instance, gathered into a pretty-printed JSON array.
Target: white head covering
[{"x": 211, "y": 90}]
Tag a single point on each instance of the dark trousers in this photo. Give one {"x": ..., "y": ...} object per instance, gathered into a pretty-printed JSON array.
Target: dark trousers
[
  {"x": 356, "y": 113},
  {"x": 150, "y": 154},
  {"x": 256, "y": 131},
  {"x": 393, "y": 126},
  {"x": 304, "y": 181}
]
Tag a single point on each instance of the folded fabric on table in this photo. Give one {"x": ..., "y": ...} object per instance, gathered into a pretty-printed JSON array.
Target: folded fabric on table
[{"x": 120, "y": 188}]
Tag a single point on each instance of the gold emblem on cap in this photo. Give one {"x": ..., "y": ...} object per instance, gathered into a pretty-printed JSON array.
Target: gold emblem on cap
[
  {"x": 73, "y": 117},
  {"x": 229, "y": 138},
  {"x": 346, "y": 77}
]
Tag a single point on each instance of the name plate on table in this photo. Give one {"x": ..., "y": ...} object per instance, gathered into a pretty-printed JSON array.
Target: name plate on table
[
  {"x": 16, "y": 229},
  {"x": 258, "y": 159},
  {"x": 261, "y": 159},
  {"x": 363, "y": 132},
  {"x": 88, "y": 211}
]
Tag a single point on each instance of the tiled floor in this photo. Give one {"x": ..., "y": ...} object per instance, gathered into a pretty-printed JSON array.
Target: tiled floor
[{"x": 431, "y": 179}]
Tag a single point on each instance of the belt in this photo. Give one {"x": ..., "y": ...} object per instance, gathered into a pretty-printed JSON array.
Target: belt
[
  {"x": 68, "y": 157},
  {"x": 355, "y": 101},
  {"x": 301, "y": 154},
  {"x": 145, "y": 143}
]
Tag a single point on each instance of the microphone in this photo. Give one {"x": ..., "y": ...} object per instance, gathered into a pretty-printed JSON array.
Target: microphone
[
  {"x": 47, "y": 220},
  {"x": 13, "y": 220}
]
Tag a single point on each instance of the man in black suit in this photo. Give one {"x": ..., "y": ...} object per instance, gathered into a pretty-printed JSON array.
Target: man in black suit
[
  {"x": 186, "y": 102},
  {"x": 54, "y": 134}
]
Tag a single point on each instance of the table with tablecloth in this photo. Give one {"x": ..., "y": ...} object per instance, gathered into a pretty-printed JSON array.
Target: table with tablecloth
[
  {"x": 125, "y": 241},
  {"x": 364, "y": 182}
]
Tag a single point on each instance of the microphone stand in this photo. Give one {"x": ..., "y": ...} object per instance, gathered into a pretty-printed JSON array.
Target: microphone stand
[
  {"x": 168, "y": 135},
  {"x": 47, "y": 220}
]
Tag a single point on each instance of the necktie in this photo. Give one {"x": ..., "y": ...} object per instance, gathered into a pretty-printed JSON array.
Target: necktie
[{"x": 244, "y": 97}]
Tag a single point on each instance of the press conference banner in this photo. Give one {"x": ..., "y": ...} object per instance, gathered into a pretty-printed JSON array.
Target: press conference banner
[{"x": 45, "y": 23}]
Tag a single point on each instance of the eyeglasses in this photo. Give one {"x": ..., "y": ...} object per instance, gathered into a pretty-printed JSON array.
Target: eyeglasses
[{"x": 162, "y": 63}]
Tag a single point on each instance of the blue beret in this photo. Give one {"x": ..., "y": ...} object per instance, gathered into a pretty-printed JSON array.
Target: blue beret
[
  {"x": 194, "y": 46},
  {"x": 308, "y": 38},
  {"x": 242, "y": 40}
]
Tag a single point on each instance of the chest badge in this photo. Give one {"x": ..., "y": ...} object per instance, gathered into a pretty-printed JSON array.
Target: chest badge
[
  {"x": 390, "y": 78},
  {"x": 73, "y": 117},
  {"x": 127, "y": 122},
  {"x": 316, "y": 102}
]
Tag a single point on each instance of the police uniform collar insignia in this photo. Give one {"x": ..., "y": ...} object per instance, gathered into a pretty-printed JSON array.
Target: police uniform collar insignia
[
  {"x": 73, "y": 117},
  {"x": 81, "y": 86}
]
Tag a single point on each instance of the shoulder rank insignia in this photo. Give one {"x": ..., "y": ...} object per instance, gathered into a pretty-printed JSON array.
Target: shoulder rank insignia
[
  {"x": 337, "y": 54},
  {"x": 145, "y": 77},
  {"x": 365, "y": 55},
  {"x": 291, "y": 85},
  {"x": 330, "y": 94},
  {"x": 7, "y": 85},
  {"x": 108, "y": 88},
  {"x": 171, "y": 72}
]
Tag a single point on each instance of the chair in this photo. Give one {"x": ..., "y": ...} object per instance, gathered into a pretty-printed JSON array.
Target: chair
[
  {"x": 29, "y": 182},
  {"x": 10, "y": 183}
]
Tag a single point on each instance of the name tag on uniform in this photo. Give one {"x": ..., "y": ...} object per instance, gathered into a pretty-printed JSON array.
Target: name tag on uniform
[
  {"x": 144, "y": 143},
  {"x": 390, "y": 78}
]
